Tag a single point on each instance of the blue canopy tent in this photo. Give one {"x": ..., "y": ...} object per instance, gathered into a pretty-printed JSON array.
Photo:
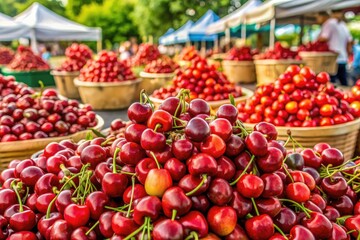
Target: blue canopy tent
[
  {"x": 163, "y": 38},
  {"x": 172, "y": 37},
  {"x": 197, "y": 32}
]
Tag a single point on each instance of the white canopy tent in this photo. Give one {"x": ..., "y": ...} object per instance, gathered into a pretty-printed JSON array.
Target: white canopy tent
[
  {"x": 228, "y": 20},
  {"x": 10, "y": 30},
  {"x": 48, "y": 26}
]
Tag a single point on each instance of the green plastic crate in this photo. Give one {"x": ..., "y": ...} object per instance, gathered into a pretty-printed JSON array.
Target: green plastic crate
[{"x": 31, "y": 78}]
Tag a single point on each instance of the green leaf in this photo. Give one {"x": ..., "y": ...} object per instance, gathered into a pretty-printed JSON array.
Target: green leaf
[
  {"x": 97, "y": 133},
  {"x": 89, "y": 136},
  {"x": 232, "y": 100}
]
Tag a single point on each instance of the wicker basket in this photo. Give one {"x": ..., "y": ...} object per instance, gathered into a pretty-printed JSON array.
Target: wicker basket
[
  {"x": 268, "y": 70},
  {"x": 239, "y": 71},
  {"x": 105, "y": 96},
  {"x": 25, "y": 149},
  {"x": 341, "y": 136},
  {"x": 213, "y": 104},
  {"x": 152, "y": 81},
  {"x": 65, "y": 83},
  {"x": 320, "y": 61}
]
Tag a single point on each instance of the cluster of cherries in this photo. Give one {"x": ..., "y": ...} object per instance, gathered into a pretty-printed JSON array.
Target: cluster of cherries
[
  {"x": 147, "y": 52},
  {"x": 26, "y": 60},
  {"x": 188, "y": 54},
  {"x": 239, "y": 54},
  {"x": 26, "y": 114},
  {"x": 161, "y": 65},
  {"x": 316, "y": 46},
  {"x": 6, "y": 55},
  {"x": 278, "y": 52},
  {"x": 298, "y": 98},
  {"x": 77, "y": 56},
  {"x": 353, "y": 98},
  {"x": 106, "y": 68},
  {"x": 180, "y": 173},
  {"x": 203, "y": 81}
]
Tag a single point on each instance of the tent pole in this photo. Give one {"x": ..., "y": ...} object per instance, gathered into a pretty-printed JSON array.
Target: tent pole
[
  {"x": 99, "y": 45},
  {"x": 216, "y": 42},
  {"x": 301, "y": 29},
  {"x": 33, "y": 41},
  {"x": 227, "y": 39},
  {"x": 272, "y": 32},
  {"x": 243, "y": 31},
  {"x": 203, "y": 48}
]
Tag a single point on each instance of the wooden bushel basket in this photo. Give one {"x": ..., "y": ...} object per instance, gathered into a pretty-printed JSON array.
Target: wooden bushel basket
[
  {"x": 340, "y": 136},
  {"x": 152, "y": 81},
  {"x": 320, "y": 61},
  {"x": 24, "y": 149},
  {"x": 108, "y": 95},
  {"x": 65, "y": 83},
  {"x": 239, "y": 71},
  {"x": 268, "y": 70}
]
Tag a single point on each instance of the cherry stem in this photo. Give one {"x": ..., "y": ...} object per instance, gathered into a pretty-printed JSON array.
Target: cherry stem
[
  {"x": 138, "y": 230},
  {"x": 48, "y": 211},
  {"x": 173, "y": 216},
  {"x": 193, "y": 235},
  {"x": 255, "y": 207},
  {"x": 12, "y": 185},
  {"x": 155, "y": 159},
  {"x": 288, "y": 173},
  {"x": 353, "y": 178},
  {"x": 131, "y": 196},
  {"x": 128, "y": 173},
  {"x": 203, "y": 180},
  {"x": 304, "y": 209},
  {"x": 280, "y": 231},
  {"x": 107, "y": 141},
  {"x": 117, "y": 150},
  {"x": 244, "y": 171},
  {"x": 92, "y": 228},
  {"x": 341, "y": 220},
  {"x": 147, "y": 99},
  {"x": 157, "y": 126},
  {"x": 117, "y": 209}
]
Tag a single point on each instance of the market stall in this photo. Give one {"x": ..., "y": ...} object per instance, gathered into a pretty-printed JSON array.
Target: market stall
[
  {"x": 46, "y": 25},
  {"x": 10, "y": 30}
]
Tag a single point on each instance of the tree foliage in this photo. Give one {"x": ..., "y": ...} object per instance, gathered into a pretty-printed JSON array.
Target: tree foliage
[
  {"x": 113, "y": 16},
  {"x": 73, "y": 7},
  {"x": 14, "y": 7}
]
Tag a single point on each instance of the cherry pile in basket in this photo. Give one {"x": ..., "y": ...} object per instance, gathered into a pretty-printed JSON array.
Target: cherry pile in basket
[
  {"x": 147, "y": 52},
  {"x": 161, "y": 65},
  {"x": 76, "y": 57},
  {"x": 6, "y": 55},
  {"x": 26, "y": 60},
  {"x": 203, "y": 81},
  {"x": 353, "y": 98},
  {"x": 316, "y": 46},
  {"x": 188, "y": 53},
  {"x": 179, "y": 173},
  {"x": 106, "y": 68},
  {"x": 239, "y": 54},
  {"x": 278, "y": 52},
  {"x": 298, "y": 98},
  {"x": 26, "y": 114}
]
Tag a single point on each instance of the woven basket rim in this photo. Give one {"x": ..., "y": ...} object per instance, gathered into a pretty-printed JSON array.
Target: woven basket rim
[
  {"x": 277, "y": 61},
  {"x": 64, "y": 73},
  {"x": 156, "y": 75},
  {"x": 79, "y": 83}
]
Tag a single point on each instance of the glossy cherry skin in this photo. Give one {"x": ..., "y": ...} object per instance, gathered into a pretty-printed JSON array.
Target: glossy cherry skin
[
  {"x": 197, "y": 129},
  {"x": 227, "y": 111},
  {"x": 221, "y": 127},
  {"x": 332, "y": 156},
  {"x": 153, "y": 141},
  {"x": 250, "y": 186},
  {"x": 22, "y": 221},
  {"x": 30, "y": 175},
  {"x": 270, "y": 206},
  {"x": 238, "y": 234},
  {"x": 202, "y": 163},
  {"x": 133, "y": 132},
  {"x": 131, "y": 153},
  {"x": 353, "y": 223},
  {"x": 195, "y": 221},
  {"x": 267, "y": 129},
  {"x": 189, "y": 182},
  {"x": 299, "y": 232},
  {"x": 295, "y": 161},
  {"x": 273, "y": 185},
  {"x": 310, "y": 158},
  {"x": 143, "y": 167},
  {"x": 138, "y": 192},
  {"x": 60, "y": 230},
  {"x": 63, "y": 200},
  {"x": 344, "y": 205},
  {"x": 139, "y": 113},
  {"x": 105, "y": 227},
  {"x": 94, "y": 155},
  {"x": 157, "y": 181},
  {"x": 168, "y": 229},
  {"x": 198, "y": 106},
  {"x": 222, "y": 220},
  {"x": 23, "y": 235},
  {"x": 256, "y": 144},
  {"x": 242, "y": 206},
  {"x": 338, "y": 233},
  {"x": 200, "y": 203},
  {"x": 271, "y": 162},
  {"x": 7, "y": 199},
  {"x": 298, "y": 192},
  {"x": 163, "y": 118},
  {"x": 81, "y": 234},
  {"x": 122, "y": 225},
  {"x": 43, "y": 201},
  {"x": 77, "y": 215},
  {"x": 174, "y": 198},
  {"x": 219, "y": 192},
  {"x": 45, "y": 223},
  {"x": 234, "y": 146},
  {"x": 176, "y": 168},
  {"x": 334, "y": 187},
  {"x": 96, "y": 202},
  {"x": 319, "y": 225},
  {"x": 285, "y": 219},
  {"x": 260, "y": 227},
  {"x": 114, "y": 184},
  {"x": 148, "y": 206},
  {"x": 182, "y": 149},
  {"x": 225, "y": 169}
]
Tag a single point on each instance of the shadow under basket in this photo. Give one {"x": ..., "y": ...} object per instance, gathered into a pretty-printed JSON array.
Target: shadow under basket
[
  {"x": 21, "y": 150},
  {"x": 341, "y": 136},
  {"x": 108, "y": 95}
]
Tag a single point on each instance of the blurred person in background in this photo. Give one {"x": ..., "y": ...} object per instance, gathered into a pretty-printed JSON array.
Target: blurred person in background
[
  {"x": 124, "y": 51},
  {"x": 356, "y": 62},
  {"x": 46, "y": 53},
  {"x": 338, "y": 37}
]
